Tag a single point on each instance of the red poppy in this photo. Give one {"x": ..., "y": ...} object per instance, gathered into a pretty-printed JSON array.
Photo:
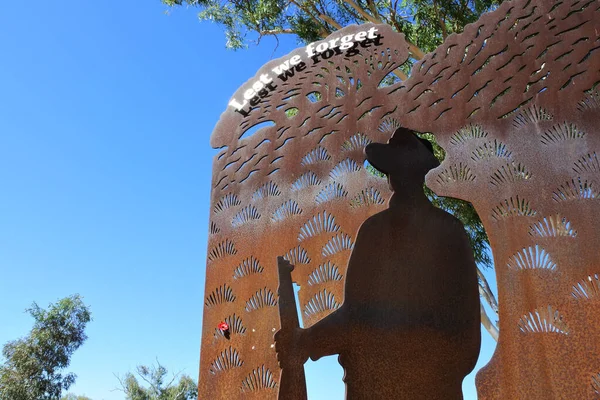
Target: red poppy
[{"x": 223, "y": 327}]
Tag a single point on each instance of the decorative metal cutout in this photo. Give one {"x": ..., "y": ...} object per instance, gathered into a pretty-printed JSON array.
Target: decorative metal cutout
[{"x": 514, "y": 100}]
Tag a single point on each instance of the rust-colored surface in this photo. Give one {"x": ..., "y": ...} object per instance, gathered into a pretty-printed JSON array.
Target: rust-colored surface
[
  {"x": 410, "y": 315},
  {"x": 514, "y": 102},
  {"x": 298, "y": 189}
]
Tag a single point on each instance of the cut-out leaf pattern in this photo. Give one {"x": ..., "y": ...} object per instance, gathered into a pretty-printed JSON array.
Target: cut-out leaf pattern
[
  {"x": 222, "y": 294},
  {"x": 491, "y": 149},
  {"x": 587, "y": 289},
  {"x": 468, "y": 133},
  {"x": 533, "y": 257},
  {"x": 588, "y": 163},
  {"x": 221, "y": 250},
  {"x": 575, "y": 189},
  {"x": 509, "y": 173},
  {"x": 560, "y": 133},
  {"x": 229, "y": 200},
  {"x": 261, "y": 378},
  {"x": 297, "y": 255},
  {"x": 345, "y": 167},
  {"x": 531, "y": 115},
  {"x": 236, "y": 327},
  {"x": 331, "y": 192},
  {"x": 286, "y": 210},
  {"x": 315, "y": 156},
  {"x": 455, "y": 173},
  {"x": 305, "y": 180},
  {"x": 247, "y": 214},
  {"x": 321, "y": 302},
  {"x": 269, "y": 189},
  {"x": 356, "y": 142},
  {"x": 322, "y": 222},
  {"x": 228, "y": 359},
  {"x": 324, "y": 273},
  {"x": 543, "y": 320},
  {"x": 262, "y": 298},
  {"x": 367, "y": 197},
  {"x": 337, "y": 244},
  {"x": 553, "y": 226},
  {"x": 513, "y": 206},
  {"x": 389, "y": 126},
  {"x": 249, "y": 266}
]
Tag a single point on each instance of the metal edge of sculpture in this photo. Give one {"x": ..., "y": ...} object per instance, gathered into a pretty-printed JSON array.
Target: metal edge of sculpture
[{"x": 514, "y": 102}]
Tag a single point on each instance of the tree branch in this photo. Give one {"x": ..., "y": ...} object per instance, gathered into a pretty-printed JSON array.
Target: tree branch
[
  {"x": 488, "y": 324},
  {"x": 486, "y": 292},
  {"x": 276, "y": 32},
  {"x": 362, "y": 12}
]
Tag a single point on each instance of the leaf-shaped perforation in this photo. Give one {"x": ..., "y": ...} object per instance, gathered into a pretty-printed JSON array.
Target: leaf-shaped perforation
[
  {"x": 468, "y": 133},
  {"x": 236, "y": 327},
  {"x": 314, "y": 96},
  {"x": 455, "y": 173},
  {"x": 261, "y": 378},
  {"x": 560, "y": 133},
  {"x": 297, "y": 255},
  {"x": 367, "y": 197},
  {"x": 247, "y": 267},
  {"x": 587, "y": 163},
  {"x": 305, "y": 180},
  {"x": 315, "y": 156},
  {"x": 337, "y": 244},
  {"x": 596, "y": 381},
  {"x": 509, "y": 173},
  {"x": 321, "y": 302},
  {"x": 222, "y": 294},
  {"x": 533, "y": 257},
  {"x": 513, "y": 206},
  {"x": 324, "y": 273},
  {"x": 269, "y": 189},
  {"x": 247, "y": 214},
  {"x": 543, "y": 320},
  {"x": 213, "y": 228},
  {"x": 491, "y": 149},
  {"x": 389, "y": 126},
  {"x": 229, "y": 200},
  {"x": 228, "y": 359},
  {"x": 553, "y": 226},
  {"x": 590, "y": 102},
  {"x": 286, "y": 210},
  {"x": 322, "y": 222},
  {"x": 588, "y": 288},
  {"x": 225, "y": 248},
  {"x": 262, "y": 298},
  {"x": 332, "y": 191},
  {"x": 531, "y": 115},
  {"x": 343, "y": 168},
  {"x": 575, "y": 189},
  {"x": 356, "y": 142}
]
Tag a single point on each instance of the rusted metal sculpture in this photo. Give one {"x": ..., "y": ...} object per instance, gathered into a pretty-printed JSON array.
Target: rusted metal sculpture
[
  {"x": 411, "y": 305},
  {"x": 514, "y": 102}
]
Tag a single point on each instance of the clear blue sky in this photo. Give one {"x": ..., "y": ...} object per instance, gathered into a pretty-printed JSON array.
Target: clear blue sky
[{"x": 105, "y": 114}]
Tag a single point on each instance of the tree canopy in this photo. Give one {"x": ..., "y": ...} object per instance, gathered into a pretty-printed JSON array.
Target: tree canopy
[
  {"x": 33, "y": 366},
  {"x": 426, "y": 23},
  {"x": 156, "y": 385}
]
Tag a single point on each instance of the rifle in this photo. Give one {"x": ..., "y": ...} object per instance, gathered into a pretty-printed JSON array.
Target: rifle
[{"x": 292, "y": 385}]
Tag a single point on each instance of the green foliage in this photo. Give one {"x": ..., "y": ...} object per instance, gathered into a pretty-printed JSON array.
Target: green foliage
[
  {"x": 71, "y": 396},
  {"x": 33, "y": 364},
  {"x": 157, "y": 387},
  {"x": 424, "y": 22}
]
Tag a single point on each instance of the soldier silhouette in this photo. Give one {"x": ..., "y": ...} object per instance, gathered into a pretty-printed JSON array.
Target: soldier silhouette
[{"x": 409, "y": 327}]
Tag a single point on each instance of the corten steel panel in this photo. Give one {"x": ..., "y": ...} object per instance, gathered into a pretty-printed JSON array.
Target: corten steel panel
[
  {"x": 513, "y": 100},
  {"x": 297, "y": 189}
]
